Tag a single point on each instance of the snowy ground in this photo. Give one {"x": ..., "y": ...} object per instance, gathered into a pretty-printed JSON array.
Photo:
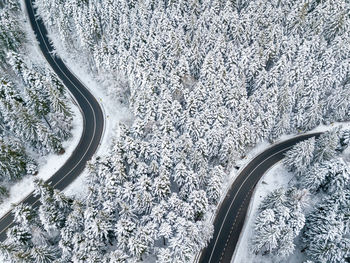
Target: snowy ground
[
  {"x": 241, "y": 163},
  {"x": 48, "y": 165},
  {"x": 113, "y": 112},
  {"x": 276, "y": 177},
  {"x": 51, "y": 163}
]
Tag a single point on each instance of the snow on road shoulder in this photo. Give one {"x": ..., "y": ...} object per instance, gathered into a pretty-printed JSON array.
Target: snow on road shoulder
[
  {"x": 114, "y": 113},
  {"x": 48, "y": 165},
  {"x": 78, "y": 188},
  {"x": 276, "y": 177}
]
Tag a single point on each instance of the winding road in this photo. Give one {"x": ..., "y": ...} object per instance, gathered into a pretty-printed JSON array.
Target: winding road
[
  {"x": 232, "y": 212},
  {"x": 93, "y": 120},
  {"x": 231, "y": 215}
]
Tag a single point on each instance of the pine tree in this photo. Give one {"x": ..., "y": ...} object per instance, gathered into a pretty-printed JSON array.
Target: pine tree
[
  {"x": 54, "y": 208},
  {"x": 300, "y": 157},
  {"x": 201, "y": 80},
  {"x": 13, "y": 161},
  {"x": 279, "y": 221},
  {"x": 326, "y": 145},
  {"x": 43, "y": 254}
]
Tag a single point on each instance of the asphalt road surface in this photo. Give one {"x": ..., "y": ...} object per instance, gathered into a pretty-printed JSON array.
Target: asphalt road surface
[
  {"x": 230, "y": 218},
  {"x": 92, "y": 116}
]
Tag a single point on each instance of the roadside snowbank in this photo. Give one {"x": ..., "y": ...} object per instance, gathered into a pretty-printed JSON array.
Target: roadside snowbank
[
  {"x": 241, "y": 164},
  {"x": 114, "y": 113},
  {"x": 275, "y": 177},
  {"x": 49, "y": 164}
]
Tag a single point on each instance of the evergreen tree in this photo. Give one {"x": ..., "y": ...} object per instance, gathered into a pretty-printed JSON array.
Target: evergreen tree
[
  {"x": 299, "y": 158},
  {"x": 54, "y": 208},
  {"x": 326, "y": 145}
]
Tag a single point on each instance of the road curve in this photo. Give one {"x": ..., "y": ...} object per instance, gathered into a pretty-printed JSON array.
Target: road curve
[
  {"x": 230, "y": 218},
  {"x": 93, "y": 120}
]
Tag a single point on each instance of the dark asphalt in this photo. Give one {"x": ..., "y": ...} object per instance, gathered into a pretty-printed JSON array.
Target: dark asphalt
[
  {"x": 231, "y": 215},
  {"x": 92, "y": 116}
]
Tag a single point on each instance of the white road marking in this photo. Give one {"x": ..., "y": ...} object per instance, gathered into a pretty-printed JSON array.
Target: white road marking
[
  {"x": 217, "y": 238},
  {"x": 94, "y": 117}
]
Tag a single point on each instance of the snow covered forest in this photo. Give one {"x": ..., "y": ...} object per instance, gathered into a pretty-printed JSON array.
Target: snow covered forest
[
  {"x": 34, "y": 114},
  {"x": 312, "y": 214},
  {"x": 205, "y": 80}
]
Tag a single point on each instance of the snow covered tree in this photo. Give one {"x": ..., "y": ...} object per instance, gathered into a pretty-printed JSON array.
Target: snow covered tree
[
  {"x": 54, "y": 207},
  {"x": 164, "y": 255},
  {"x": 13, "y": 161},
  {"x": 300, "y": 157},
  {"x": 279, "y": 222},
  {"x": 45, "y": 254},
  {"x": 337, "y": 178},
  {"x": 315, "y": 177},
  {"x": 324, "y": 234},
  {"x": 326, "y": 145},
  {"x": 199, "y": 202},
  {"x": 203, "y": 80}
]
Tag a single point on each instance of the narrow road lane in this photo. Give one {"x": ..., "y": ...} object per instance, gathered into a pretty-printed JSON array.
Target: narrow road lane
[
  {"x": 230, "y": 218},
  {"x": 93, "y": 119}
]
